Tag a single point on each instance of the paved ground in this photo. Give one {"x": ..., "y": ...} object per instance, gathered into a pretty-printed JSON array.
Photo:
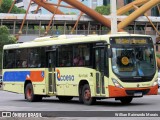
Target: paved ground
[{"x": 16, "y": 102}]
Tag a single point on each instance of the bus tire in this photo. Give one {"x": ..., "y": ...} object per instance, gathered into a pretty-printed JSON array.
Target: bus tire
[
  {"x": 80, "y": 99},
  {"x": 126, "y": 100},
  {"x": 29, "y": 94},
  {"x": 80, "y": 94},
  {"x": 64, "y": 98},
  {"x": 86, "y": 95}
]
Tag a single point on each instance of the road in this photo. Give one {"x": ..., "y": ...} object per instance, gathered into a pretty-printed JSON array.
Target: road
[{"x": 16, "y": 102}]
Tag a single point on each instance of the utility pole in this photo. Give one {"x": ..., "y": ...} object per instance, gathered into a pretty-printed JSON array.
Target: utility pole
[{"x": 113, "y": 16}]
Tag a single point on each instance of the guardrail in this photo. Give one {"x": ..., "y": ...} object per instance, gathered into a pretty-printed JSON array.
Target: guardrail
[{"x": 85, "y": 32}]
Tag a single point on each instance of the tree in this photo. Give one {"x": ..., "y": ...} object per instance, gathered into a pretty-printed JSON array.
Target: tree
[
  {"x": 5, "y": 6},
  {"x": 5, "y": 38},
  {"x": 104, "y": 10},
  {"x": 71, "y": 13}
]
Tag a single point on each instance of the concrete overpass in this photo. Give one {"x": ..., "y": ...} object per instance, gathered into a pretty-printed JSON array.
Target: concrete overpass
[{"x": 35, "y": 25}]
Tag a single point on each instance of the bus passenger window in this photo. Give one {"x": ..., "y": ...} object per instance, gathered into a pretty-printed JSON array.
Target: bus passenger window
[
  {"x": 9, "y": 59},
  {"x": 65, "y": 56},
  {"x": 81, "y": 55}
]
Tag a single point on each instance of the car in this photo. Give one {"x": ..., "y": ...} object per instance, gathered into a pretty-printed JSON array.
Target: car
[{"x": 1, "y": 81}]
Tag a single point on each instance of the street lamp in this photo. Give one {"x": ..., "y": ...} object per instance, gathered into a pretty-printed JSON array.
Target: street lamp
[{"x": 113, "y": 16}]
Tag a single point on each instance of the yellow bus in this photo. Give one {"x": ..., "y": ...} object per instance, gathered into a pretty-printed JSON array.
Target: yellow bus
[{"x": 93, "y": 67}]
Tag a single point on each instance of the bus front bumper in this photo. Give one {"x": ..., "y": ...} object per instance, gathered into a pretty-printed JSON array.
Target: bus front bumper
[{"x": 135, "y": 92}]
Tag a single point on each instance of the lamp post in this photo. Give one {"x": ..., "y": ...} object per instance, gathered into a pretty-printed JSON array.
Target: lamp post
[{"x": 113, "y": 16}]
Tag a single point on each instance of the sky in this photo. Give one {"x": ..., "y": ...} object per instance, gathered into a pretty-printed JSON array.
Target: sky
[{"x": 65, "y": 10}]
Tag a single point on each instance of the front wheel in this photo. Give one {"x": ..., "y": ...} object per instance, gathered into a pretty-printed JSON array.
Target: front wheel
[
  {"x": 86, "y": 95},
  {"x": 29, "y": 94},
  {"x": 126, "y": 100}
]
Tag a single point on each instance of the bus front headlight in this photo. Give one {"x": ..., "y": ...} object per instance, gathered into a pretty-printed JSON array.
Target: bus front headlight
[
  {"x": 116, "y": 83},
  {"x": 155, "y": 82}
]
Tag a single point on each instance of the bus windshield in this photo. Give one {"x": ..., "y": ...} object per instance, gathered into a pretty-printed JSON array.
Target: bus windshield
[{"x": 133, "y": 61}]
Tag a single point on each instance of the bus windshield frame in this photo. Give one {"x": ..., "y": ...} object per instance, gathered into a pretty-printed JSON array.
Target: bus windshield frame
[{"x": 133, "y": 62}]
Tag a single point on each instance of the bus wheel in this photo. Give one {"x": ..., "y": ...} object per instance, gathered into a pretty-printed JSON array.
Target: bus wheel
[
  {"x": 64, "y": 98},
  {"x": 80, "y": 94},
  {"x": 29, "y": 94},
  {"x": 86, "y": 95},
  {"x": 126, "y": 100}
]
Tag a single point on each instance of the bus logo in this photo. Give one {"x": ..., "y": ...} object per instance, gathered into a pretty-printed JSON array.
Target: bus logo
[
  {"x": 64, "y": 77},
  {"x": 58, "y": 74}
]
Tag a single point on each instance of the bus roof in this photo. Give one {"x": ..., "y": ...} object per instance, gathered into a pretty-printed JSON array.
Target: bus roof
[{"x": 67, "y": 39}]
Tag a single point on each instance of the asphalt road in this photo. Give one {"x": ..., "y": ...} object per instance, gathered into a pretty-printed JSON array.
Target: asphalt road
[{"x": 16, "y": 102}]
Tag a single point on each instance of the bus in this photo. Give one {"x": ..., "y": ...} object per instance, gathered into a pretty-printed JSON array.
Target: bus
[{"x": 93, "y": 67}]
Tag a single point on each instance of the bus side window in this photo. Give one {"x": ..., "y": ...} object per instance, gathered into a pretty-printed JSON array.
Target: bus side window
[
  {"x": 81, "y": 55},
  {"x": 9, "y": 59},
  {"x": 65, "y": 56}
]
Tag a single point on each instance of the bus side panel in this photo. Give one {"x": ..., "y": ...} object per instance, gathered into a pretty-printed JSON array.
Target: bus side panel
[
  {"x": 9, "y": 83},
  {"x": 39, "y": 89},
  {"x": 40, "y": 81},
  {"x": 60, "y": 88},
  {"x": 14, "y": 80},
  {"x": 17, "y": 87},
  {"x": 69, "y": 79}
]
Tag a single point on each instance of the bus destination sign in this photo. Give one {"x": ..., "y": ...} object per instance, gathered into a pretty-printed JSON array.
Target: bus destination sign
[{"x": 130, "y": 41}]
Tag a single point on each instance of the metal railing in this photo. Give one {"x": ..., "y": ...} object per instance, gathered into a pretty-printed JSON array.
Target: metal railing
[{"x": 84, "y": 32}]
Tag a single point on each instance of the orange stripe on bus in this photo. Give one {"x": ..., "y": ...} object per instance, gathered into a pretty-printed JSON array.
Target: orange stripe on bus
[{"x": 36, "y": 76}]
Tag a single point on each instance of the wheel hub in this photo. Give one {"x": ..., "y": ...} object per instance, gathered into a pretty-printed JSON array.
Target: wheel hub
[
  {"x": 87, "y": 94},
  {"x": 29, "y": 93}
]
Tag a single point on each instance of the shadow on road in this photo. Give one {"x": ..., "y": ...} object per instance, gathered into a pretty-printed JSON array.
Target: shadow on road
[{"x": 98, "y": 103}]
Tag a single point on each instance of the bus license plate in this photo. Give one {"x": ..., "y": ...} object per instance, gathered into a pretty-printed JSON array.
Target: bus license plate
[{"x": 138, "y": 94}]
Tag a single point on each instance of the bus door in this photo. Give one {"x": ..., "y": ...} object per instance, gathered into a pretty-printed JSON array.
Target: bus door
[
  {"x": 100, "y": 69},
  {"x": 51, "y": 61}
]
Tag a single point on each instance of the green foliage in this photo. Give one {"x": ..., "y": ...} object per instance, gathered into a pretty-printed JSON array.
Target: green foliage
[
  {"x": 71, "y": 13},
  {"x": 104, "y": 10},
  {"x": 158, "y": 55},
  {"x": 5, "y": 38},
  {"x": 3, "y": 30},
  {"x": 5, "y": 6}
]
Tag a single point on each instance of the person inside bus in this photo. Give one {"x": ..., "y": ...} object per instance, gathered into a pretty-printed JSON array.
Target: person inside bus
[
  {"x": 81, "y": 61},
  {"x": 39, "y": 64},
  {"x": 18, "y": 64},
  {"x": 24, "y": 64},
  {"x": 33, "y": 64},
  {"x": 76, "y": 60}
]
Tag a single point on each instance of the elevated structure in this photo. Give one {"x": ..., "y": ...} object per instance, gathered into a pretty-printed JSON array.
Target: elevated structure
[
  {"x": 14, "y": 21},
  {"x": 140, "y": 7}
]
